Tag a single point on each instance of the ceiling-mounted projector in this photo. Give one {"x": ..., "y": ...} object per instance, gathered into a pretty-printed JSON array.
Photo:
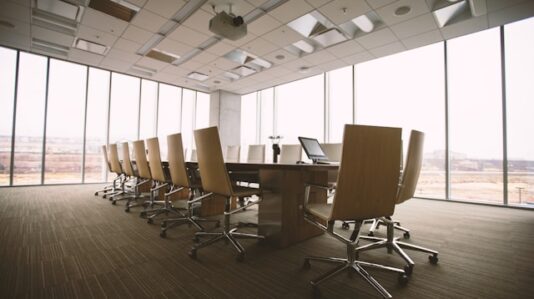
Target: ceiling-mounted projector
[{"x": 228, "y": 26}]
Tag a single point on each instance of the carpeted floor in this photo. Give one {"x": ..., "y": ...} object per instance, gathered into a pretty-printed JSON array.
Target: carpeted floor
[{"x": 63, "y": 242}]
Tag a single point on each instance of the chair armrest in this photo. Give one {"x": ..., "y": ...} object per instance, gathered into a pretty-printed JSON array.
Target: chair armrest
[
  {"x": 195, "y": 200},
  {"x": 308, "y": 188}
]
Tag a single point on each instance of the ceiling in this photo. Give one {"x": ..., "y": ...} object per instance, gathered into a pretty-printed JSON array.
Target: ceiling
[{"x": 269, "y": 37}]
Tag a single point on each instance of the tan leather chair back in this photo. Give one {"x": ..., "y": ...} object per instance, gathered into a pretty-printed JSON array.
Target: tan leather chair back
[
  {"x": 412, "y": 168},
  {"x": 114, "y": 159},
  {"x": 213, "y": 172},
  {"x": 105, "y": 154},
  {"x": 368, "y": 174},
  {"x": 126, "y": 162},
  {"x": 193, "y": 155},
  {"x": 232, "y": 153},
  {"x": 176, "y": 160},
  {"x": 256, "y": 153},
  {"x": 332, "y": 151},
  {"x": 143, "y": 170},
  {"x": 154, "y": 159},
  {"x": 290, "y": 153}
]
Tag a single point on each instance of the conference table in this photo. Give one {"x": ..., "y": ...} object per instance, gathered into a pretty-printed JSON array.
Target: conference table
[{"x": 280, "y": 213}]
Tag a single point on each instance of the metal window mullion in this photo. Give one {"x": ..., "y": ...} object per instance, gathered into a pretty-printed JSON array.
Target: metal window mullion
[
  {"x": 447, "y": 148},
  {"x": 43, "y": 153},
  {"x": 108, "y": 124},
  {"x": 326, "y": 107},
  {"x": 275, "y": 119},
  {"x": 194, "y": 119},
  {"x": 139, "y": 109},
  {"x": 504, "y": 119},
  {"x": 181, "y": 108},
  {"x": 85, "y": 122},
  {"x": 155, "y": 128},
  {"x": 15, "y": 97},
  {"x": 353, "y": 94},
  {"x": 258, "y": 118}
]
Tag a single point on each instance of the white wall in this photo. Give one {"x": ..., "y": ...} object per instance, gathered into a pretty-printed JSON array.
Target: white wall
[{"x": 225, "y": 112}]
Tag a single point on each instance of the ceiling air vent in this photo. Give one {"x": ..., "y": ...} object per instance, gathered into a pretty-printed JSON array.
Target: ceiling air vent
[
  {"x": 89, "y": 46},
  {"x": 162, "y": 56},
  {"x": 117, "y": 8},
  {"x": 49, "y": 48}
]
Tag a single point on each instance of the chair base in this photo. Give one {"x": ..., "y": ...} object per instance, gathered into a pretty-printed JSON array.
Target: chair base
[
  {"x": 168, "y": 223},
  {"x": 228, "y": 236}
]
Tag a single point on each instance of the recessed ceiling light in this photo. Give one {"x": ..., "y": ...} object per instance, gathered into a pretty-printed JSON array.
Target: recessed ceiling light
[
  {"x": 143, "y": 70},
  {"x": 244, "y": 70},
  {"x": 330, "y": 37},
  {"x": 401, "y": 11},
  {"x": 304, "y": 46},
  {"x": 162, "y": 55},
  {"x": 304, "y": 69},
  {"x": 279, "y": 57},
  {"x": 445, "y": 14},
  {"x": 197, "y": 76},
  {"x": 6, "y": 24},
  {"x": 89, "y": 46}
]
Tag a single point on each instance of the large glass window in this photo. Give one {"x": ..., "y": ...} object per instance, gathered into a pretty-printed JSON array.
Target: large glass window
[
  {"x": 29, "y": 126},
  {"x": 169, "y": 114},
  {"x": 96, "y": 126},
  {"x": 65, "y": 122},
  {"x": 124, "y": 112},
  {"x": 407, "y": 90},
  {"x": 188, "y": 113},
  {"x": 300, "y": 109},
  {"x": 519, "y": 42},
  {"x": 267, "y": 121},
  {"x": 340, "y": 88},
  {"x": 8, "y": 60},
  {"x": 248, "y": 122},
  {"x": 149, "y": 102},
  {"x": 475, "y": 112},
  {"x": 202, "y": 118}
]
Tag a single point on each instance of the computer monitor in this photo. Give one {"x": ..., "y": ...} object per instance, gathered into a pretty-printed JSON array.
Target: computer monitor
[{"x": 313, "y": 149}]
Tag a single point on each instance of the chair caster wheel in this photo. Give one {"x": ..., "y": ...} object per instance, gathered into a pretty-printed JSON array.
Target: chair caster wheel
[
  {"x": 403, "y": 279},
  {"x": 163, "y": 234},
  {"x": 163, "y": 224},
  {"x": 142, "y": 214},
  {"x": 406, "y": 235},
  {"x": 306, "y": 265},
  {"x": 345, "y": 226},
  {"x": 127, "y": 210},
  {"x": 149, "y": 221},
  {"x": 240, "y": 257},
  {"x": 371, "y": 234},
  {"x": 433, "y": 259},
  {"x": 96, "y": 193},
  {"x": 104, "y": 196},
  {"x": 193, "y": 254},
  {"x": 408, "y": 270},
  {"x": 113, "y": 202}
]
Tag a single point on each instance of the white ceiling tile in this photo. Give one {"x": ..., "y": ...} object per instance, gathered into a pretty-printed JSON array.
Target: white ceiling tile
[
  {"x": 21, "y": 28},
  {"x": 237, "y": 43},
  {"x": 103, "y": 22},
  {"x": 85, "y": 57},
  {"x": 415, "y": 26},
  {"x": 377, "y": 38},
  {"x": 96, "y": 36},
  {"x": 126, "y": 45},
  {"x": 117, "y": 54},
  {"x": 422, "y": 39},
  {"x": 511, "y": 14},
  {"x": 318, "y": 3},
  {"x": 148, "y": 20},
  {"x": 204, "y": 57},
  {"x": 220, "y": 48},
  {"x": 188, "y": 36},
  {"x": 224, "y": 64},
  {"x": 344, "y": 49},
  {"x": 115, "y": 65},
  {"x": 462, "y": 28},
  {"x": 297, "y": 64},
  {"x": 279, "y": 56},
  {"x": 290, "y": 10},
  {"x": 166, "y": 78},
  {"x": 191, "y": 65},
  {"x": 279, "y": 70},
  {"x": 138, "y": 3},
  {"x": 10, "y": 10},
  {"x": 164, "y": 8},
  {"x": 8, "y": 38},
  {"x": 379, "y": 3},
  {"x": 239, "y": 7},
  {"x": 209, "y": 70},
  {"x": 493, "y": 5},
  {"x": 387, "y": 13},
  {"x": 332, "y": 65},
  {"x": 341, "y": 11},
  {"x": 259, "y": 47},
  {"x": 175, "y": 70},
  {"x": 357, "y": 58},
  {"x": 389, "y": 49},
  {"x": 263, "y": 24},
  {"x": 282, "y": 36},
  {"x": 137, "y": 34},
  {"x": 52, "y": 36},
  {"x": 173, "y": 47},
  {"x": 200, "y": 22},
  {"x": 22, "y": 2},
  {"x": 319, "y": 57},
  {"x": 151, "y": 63}
]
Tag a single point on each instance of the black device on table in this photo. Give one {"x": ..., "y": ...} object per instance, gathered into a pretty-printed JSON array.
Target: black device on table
[{"x": 313, "y": 150}]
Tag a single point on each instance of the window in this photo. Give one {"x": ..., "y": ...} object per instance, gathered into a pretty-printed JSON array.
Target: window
[
  {"x": 202, "y": 118},
  {"x": 340, "y": 87},
  {"x": 267, "y": 121},
  {"x": 8, "y": 60},
  {"x": 407, "y": 90},
  {"x": 124, "y": 112},
  {"x": 149, "y": 101},
  {"x": 169, "y": 114},
  {"x": 248, "y": 122},
  {"x": 97, "y": 125},
  {"x": 188, "y": 112},
  {"x": 65, "y": 122},
  {"x": 475, "y": 111},
  {"x": 519, "y": 43},
  {"x": 29, "y": 124}
]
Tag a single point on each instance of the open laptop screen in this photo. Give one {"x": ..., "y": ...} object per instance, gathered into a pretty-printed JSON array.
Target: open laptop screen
[{"x": 313, "y": 149}]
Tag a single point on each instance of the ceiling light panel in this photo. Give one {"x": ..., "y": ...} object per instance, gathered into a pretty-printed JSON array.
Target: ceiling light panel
[
  {"x": 330, "y": 37},
  {"x": 89, "y": 46},
  {"x": 362, "y": 25},
  {"x": 244, "y": 71},
  {"x": 117, "y": 8},
  {"x": 60, "y": 8},
  {"x": 311, "y": 24},
  {"x": 162, "y": 56},
  {"x": 444, "y": 15},
  {"x": 197, "y": 76}
]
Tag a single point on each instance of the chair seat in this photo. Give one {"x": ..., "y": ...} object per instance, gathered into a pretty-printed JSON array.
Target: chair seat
[
  {"x": 241, "y": 191},
  {"x": 320, "y": 210}
]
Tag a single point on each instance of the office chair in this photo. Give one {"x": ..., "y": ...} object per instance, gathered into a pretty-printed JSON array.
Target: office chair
[
  {"x": 193, "y": 157},
  {"x": 117, "y": 169},
  {"x": 232, "y": 153},
  {"x": 366, "y": 188},
  {"x": 256, "y": 153},
  {"x": 108, "y": 188},
  {"x": 143, "y": 175},
  {"x": 290, "y": 153},
  {"x": 215, "y": 181},
  {"x": 332, "y": 151},
  {"x": 181, "y": 180},
  {"x": 405, "y": 191},
  {"x": 127, "y": 170}
]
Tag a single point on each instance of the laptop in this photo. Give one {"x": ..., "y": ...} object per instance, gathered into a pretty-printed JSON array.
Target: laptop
[{"x": 313, "y": 150}]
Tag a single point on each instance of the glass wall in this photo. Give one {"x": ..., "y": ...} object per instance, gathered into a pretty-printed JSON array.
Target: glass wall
[
  {"x": 267, "y": 121},
  {"x": 475, "y": 117},
  {"x": 97, "y": 125},
  {"x": 29, "y": 122},
  {"x": 339, "y": 102},
  {"x": 8, "y": 71},
  {"x": 148, "y": 110},
  {"x": 169, "y": 115},
  {"x": 124, "y": 109},
  {"x": 248, "y": 123},
  {"x": 188, "y": 114},
  {"x": 413, "y": 100},
  {"x": 202, "y": 111},
  {"x": 519, "y": 42},
  {"x": 65, "y": 122}
]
